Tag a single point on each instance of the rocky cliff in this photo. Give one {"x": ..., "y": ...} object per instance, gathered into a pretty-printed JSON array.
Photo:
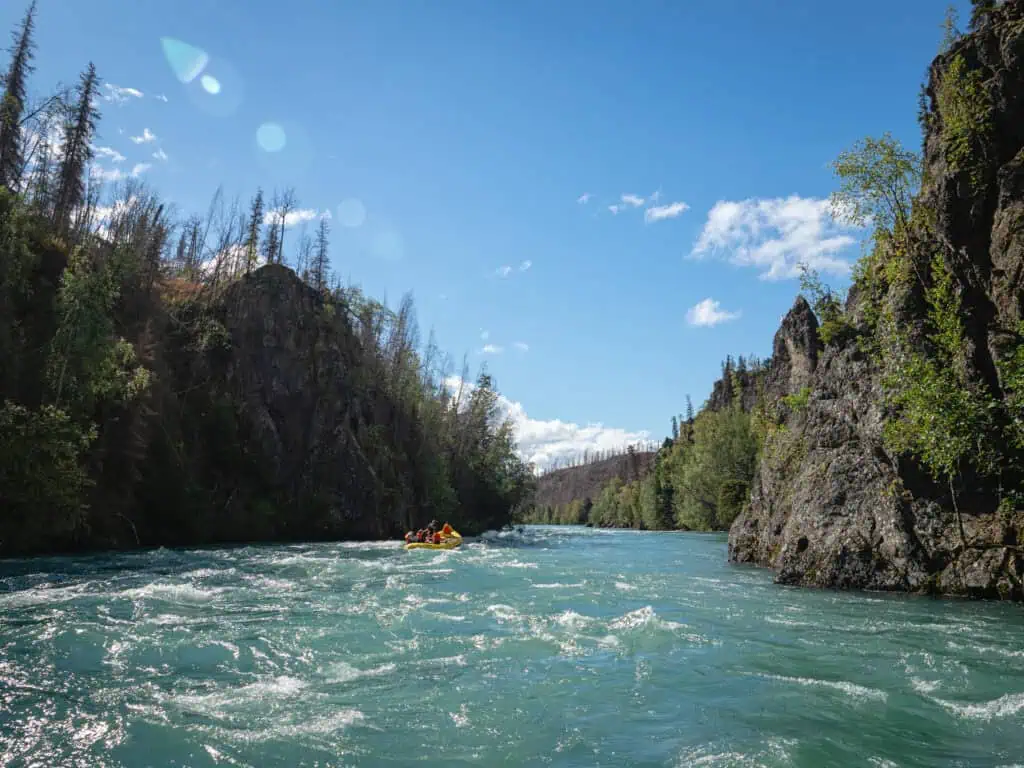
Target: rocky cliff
[{"x": 833, "y": 503}]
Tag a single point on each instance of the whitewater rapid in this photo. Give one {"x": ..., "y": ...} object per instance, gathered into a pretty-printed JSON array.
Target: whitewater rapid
[{"x": 553, "y": 646}]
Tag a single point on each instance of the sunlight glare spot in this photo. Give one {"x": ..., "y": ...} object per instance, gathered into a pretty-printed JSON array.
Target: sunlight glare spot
[
  {"x": 210, "y": 84},
  {"x": 351, "y": 212},
  {"x": 186, "y": 61},
  {"x": 389, "y": 246},
  {"x": 271, "y": 137}
]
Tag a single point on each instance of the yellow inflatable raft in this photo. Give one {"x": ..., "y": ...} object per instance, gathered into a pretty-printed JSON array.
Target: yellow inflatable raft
[{"x": 451, "y": 541}]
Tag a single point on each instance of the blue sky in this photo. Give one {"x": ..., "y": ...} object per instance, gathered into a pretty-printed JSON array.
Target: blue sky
[{"x": 459, "y": 137}]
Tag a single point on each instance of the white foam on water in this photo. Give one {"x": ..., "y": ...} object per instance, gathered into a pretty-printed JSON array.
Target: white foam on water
[
  {"x": 204, "y": 573},
  {"x": 789, "y": 622},
  {"x": 516, "y": 564},
  {"x": 317, "y": 726},
  {"x": 557, "y": 585},
  {"x": 573, "y": 620},
  {"x": 621, "y": 585},
  {"x": 989, "y": 649},
  {"x": 925, "y": 686},
  {"x": 503, "y": 612},
  {"x": 343, "y": 672},
  {"x": 42, "y": 596},
  {"x": 420, "y": 600},
  {"x": 850, "y": 689},
  {"x": 450, "y": 661},
  {"x": 220, "y": 757},
  {"x": 1007, "y": 705},
  {"x": 266, "y": 582},
  {"x": 212, "y": 703},
  {"x": 643, "y": 617},
  {"x": 703, "y": 757},
  {"x": 460, "y": 718},
  {"x": 173, "y": 592},
  {"x": 482, "y": 642}
]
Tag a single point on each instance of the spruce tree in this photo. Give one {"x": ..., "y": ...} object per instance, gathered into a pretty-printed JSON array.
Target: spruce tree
[
  {"x": 79, "y": 127},
  {"x": 12, "y": 108},
  {"x": 321, "y": 255},
  {"x": 252, "y": 235}
]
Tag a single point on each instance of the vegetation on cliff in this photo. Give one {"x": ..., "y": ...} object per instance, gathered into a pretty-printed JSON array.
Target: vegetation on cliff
[
  {"x": 908, "y": 464},
  {"x": 176, "y": 382},
  {"x": 885, "y": 446}
]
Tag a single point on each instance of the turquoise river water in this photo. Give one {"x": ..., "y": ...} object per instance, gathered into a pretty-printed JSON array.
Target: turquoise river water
[{"x": 546, "y": 647}]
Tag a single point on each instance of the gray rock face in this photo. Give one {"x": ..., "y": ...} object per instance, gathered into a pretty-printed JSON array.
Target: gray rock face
[
  {"x": 829, "y": 506},
  {"x": 290, "y": 368}
]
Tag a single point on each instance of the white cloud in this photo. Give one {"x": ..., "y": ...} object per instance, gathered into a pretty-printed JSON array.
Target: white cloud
[
  {"x": 111, "y": 154},
  {"x": 670, "y": 211},
  {"x": 655, "y": 197},
  {"x": 544, "y": 442},
  {"x": 103, "y": 216},
  {"x": 105, "y": 175},
  {"x": 141, "y": 168},
  {"x": 160, "y": 155},
  {"x": 776, "y": 235},
  {"x": 634, "y": 200},
  {"x": 708, "y": 313},
  {"x": 161, "y": 97},
  {"x": 614, "y": 209},
  {"x": 584, "y": 198},
  {"x": 229, "y": 261},
  {"x": 504, "y": 271},
  {"x": 522, "y": 346},
  {"x": 298, "y": 216},
  {"x": 146, "y": 137},
  {"x": 525, "y": 265},
  {"x": 119, "y": 95},
  {"x": 491, "y": 349}
]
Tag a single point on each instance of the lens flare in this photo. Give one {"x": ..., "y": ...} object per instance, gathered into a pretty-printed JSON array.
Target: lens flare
[
  {"x": 271, "y": 137},
  {"x": 210, "y": 84},
  {"x": 389, "y": 246},
  {"x": 351, "y": 212},
  {"x": 186, "y": 61}
]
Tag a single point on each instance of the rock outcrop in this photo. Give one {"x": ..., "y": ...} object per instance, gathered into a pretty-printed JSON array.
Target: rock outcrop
[{"x": 830, "y": 505}]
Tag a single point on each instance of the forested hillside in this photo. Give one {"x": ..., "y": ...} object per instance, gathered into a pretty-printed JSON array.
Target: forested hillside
[
  {"x": 696, "y": 480},
  {"x": 567, "y": 495},
  {"x": 203, "y": 379}
]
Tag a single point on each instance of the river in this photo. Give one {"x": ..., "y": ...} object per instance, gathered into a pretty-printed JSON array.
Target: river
[{"x": 553, "y": 646}]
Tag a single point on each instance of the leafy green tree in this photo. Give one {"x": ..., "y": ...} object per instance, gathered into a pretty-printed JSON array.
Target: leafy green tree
[
  {"x": 42, "y": 476},
  {"x": 878, "y": 179}
]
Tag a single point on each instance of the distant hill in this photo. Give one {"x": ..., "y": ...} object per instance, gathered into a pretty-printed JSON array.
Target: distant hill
[{"x": 563, "y": 486}]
